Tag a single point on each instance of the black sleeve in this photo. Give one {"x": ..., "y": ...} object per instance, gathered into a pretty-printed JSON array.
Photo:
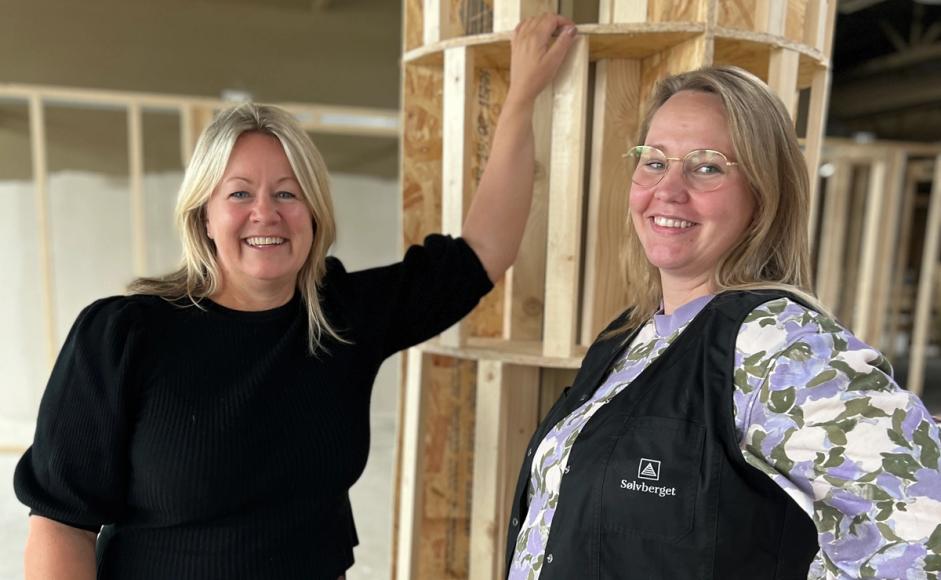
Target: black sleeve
[
  {"x": 76, "y": 470},
  {"x": 400, "y": 305}
]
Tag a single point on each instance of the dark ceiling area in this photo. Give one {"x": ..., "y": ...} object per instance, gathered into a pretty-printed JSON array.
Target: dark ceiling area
[{"x": 887, "y": 70}]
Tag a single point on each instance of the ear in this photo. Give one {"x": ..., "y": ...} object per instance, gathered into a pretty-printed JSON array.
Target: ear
[{"x": 208, "y": 229}]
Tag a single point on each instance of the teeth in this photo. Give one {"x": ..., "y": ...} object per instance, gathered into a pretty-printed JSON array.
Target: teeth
[
  {"x": 672, "y": 223},
  {"x": 264, "y": 241}
]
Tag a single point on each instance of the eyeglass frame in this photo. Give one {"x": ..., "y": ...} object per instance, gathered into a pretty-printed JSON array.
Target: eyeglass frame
[{"x": 682, "y": 166}]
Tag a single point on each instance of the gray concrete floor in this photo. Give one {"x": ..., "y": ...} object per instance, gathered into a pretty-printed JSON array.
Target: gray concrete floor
[{"x": 371, "y": 498}]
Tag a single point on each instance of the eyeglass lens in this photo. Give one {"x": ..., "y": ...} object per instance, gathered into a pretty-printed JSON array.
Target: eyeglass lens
[{"x": 703, "y": 169}]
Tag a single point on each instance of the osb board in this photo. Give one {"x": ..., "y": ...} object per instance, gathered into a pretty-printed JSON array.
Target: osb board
[
  {"x": 751, "y": 56},
  {"x": 676, "y": 10},
  {"x": 421, "y": 147},
  {"x": 738, "y": 14},
  {"x": 683, "y": 57},
  {"x": 796, "y": 20},
  {"x": 413, "y": 24},
  {"x": 448, "y": 460},
  {"x": 490, "y": 85}
]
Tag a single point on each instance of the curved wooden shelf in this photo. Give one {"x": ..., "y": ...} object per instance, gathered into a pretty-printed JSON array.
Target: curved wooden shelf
[
  {"x": 518, "y": 352},
  {"x": 605, "y": 41}
]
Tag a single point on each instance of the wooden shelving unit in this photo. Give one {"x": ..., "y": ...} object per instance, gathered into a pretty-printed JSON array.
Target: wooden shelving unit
[{"x": 472, "y": 397}]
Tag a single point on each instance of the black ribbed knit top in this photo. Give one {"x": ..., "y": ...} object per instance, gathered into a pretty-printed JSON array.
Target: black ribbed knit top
[{"x": 209, "y": 443}]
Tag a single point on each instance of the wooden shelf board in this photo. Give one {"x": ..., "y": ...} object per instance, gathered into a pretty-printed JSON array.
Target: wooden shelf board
[{"x": 520, "y": 352}]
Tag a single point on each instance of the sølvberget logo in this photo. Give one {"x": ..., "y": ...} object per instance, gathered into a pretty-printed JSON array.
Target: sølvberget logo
[{"x": 648, "y": 469}]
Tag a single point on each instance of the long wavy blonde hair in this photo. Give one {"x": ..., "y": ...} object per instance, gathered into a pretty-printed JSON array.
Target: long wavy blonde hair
[
  {"x": 774, "y": 251},
  {"x": 199, "y": 275}
]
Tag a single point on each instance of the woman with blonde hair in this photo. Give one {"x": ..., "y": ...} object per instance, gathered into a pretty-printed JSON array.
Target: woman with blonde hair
[
  {"x": 725, "y": 426},
  {"x": 211, "y": 424}
]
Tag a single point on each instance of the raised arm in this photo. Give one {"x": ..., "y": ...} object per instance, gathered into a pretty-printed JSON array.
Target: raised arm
[{"x": 497, "y": 216}]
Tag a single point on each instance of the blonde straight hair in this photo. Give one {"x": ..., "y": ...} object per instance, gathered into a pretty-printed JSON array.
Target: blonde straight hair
[
  {"x": 199, "y": 275},
  {"x": 774, "y": 251}
]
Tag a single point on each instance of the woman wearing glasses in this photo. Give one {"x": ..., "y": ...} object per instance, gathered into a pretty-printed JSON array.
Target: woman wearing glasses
[{"x": 725, "y": 426}]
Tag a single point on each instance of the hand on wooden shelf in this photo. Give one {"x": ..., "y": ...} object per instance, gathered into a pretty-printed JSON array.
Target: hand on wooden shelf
[{"x": 538, "y": 48}]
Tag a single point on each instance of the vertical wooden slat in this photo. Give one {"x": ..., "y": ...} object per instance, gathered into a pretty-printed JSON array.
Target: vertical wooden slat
[
  {"x": 37, "y": 136},
  {"x": 455, "y": 156},
  {"x": 889, "y": 237},
  {"x": 899, "y": 274},
  {"x": 436, "y": 21},
  {"x": 526, "y": 281},
  {"x": 193, "y": 120},
  {"x": 622, "y": 11},
  {"x": 833, "y": 239},
  {"x": 816, "y": 127},
  {"x": 815, "y": 23},
  {"x": 507, "y": 409},
  {"x": 565, "y": 202},
  {"x": 923, "y": 308},
  {"x": 782, "y": 77},
  {"x": 508, "y": 13},
  {"x": 615, "y": 122},
  {"x": 771, "y": 16},
  {"x": 865, "y": 287},
  {"x": 411, "y": 467},
  {"x": 135, "y": 140}
]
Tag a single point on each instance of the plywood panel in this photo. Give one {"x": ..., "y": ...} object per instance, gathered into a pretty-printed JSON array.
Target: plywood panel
[
  {"x": 615, "y": 126},
  {"x": 448, "y": 452},
  {"x": 421, "y": 148},
  {"x": 738, "y": 14},
  {"x": 412, "y": 24},
  {"x": 676, "y": 11},
  {"x": 622, "y": 11},
  {"x": 686, "y": 56},
  {"x": 796, "y": 20},
  {"x": 508, "y": 13}
]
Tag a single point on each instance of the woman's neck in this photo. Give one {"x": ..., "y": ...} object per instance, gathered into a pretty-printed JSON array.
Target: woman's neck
[
  {"x": 680, "y": 291},
  {"x": 253, "y": 299}
]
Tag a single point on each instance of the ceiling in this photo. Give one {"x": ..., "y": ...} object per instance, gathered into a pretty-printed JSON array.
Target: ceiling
[{"x": 886, "y": 69}]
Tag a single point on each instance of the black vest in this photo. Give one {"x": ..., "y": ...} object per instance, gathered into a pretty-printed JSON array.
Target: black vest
[{"x": 656, "y": 485}]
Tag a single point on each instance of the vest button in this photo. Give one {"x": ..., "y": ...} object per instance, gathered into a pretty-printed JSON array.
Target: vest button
[
  {"x": 549, "y": 559},
  {"x": 515, "y": 522},
  {"x": 529, "y": 452}
]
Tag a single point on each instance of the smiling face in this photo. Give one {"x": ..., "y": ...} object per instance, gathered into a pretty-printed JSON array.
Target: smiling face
[
  {"x": 685, "y": 232},
  {"x": 260, "y": 224}
]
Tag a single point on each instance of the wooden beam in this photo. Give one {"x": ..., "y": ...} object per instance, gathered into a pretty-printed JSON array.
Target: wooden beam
[
  {"x": 815, "y": 24},
  {"x": 782, "y": 77},
  {"x": 888, "y": 241},
  {"x": 507, "y": 414},
  {"x": 900, "y": 271},
  {"x": 508, "y": 13},
  {"x": 37, "y": 136},
  {"x": 830, "y": 252},
  {"x": 813, "y": 144},
  {"x": 135, "y": 141},
  {"x": 524, "y": 302},
  {"x": 410, "y": 460},
  {"x": 622, "y": 11},
  {"x": 923, "y": 308},
  {"x": 617, "y": 101},
  {"x": 193, "y": 121},
  {"x": 865, "y": 287},
  {"x": 456, "y": 150},
  {"x": 566, "y": 180},
  {"x": 436, "y": 22}
]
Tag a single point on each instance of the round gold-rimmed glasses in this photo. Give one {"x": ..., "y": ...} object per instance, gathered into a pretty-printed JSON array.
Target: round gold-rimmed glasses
[{"x": 703, "y": 169}]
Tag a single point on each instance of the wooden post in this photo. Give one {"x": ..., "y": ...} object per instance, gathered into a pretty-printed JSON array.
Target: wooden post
[
  {"x": 889, "y": 238},
  {"x": 507, "y": 414},
  {"x": 865, "y": 288},
  {"x": 437, "y": 18},
  {"x": 615, "y": 123},
  {"x": 411, "y": 467},
  {"x": 37, "y": 136},
  {"x": 782, "y": 77},
  {"x": 508, "y": 13},
  {"x": 929, "y": 262},
  {"x": 816, "y": 128},
  {"x": 771, "y": 16},
  {"x": 456, "y": 146},
  {"x": 565, "y": 202},
  {"x": 622, "y": 11},
  {"x": 833, "y": 238}
]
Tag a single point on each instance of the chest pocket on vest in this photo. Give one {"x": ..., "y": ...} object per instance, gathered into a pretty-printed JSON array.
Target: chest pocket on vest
[{"x": 652, "y": 479}]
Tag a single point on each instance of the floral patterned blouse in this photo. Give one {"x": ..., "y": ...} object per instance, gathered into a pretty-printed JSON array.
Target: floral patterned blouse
[{"x": 817, "y": 411}]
